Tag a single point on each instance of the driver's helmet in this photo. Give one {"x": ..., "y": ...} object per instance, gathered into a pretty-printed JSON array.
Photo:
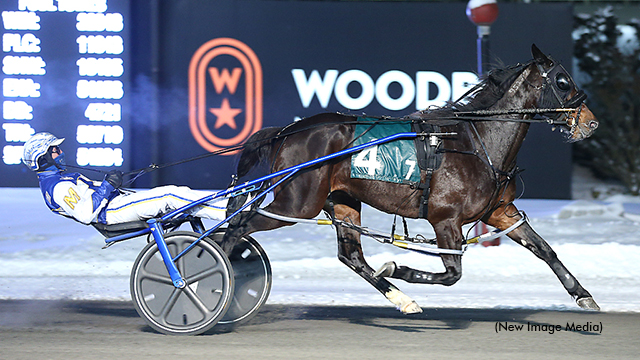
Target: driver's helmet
[{"x": 35, "y": 150}]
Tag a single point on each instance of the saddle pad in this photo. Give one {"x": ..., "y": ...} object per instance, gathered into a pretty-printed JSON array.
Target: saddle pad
[{"x": 394, "y": 161}]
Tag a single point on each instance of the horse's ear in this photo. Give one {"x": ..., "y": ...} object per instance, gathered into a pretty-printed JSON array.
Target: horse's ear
[{"x": 537, "y": 54}]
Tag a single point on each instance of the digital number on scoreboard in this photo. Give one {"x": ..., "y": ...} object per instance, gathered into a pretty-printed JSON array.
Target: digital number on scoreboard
[{"x": 64, "y": 71}]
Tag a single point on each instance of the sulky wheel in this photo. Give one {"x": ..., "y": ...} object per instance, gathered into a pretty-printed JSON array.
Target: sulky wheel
[
  {"x": 253, "y": 279},
  {"x": 198, "y": 306}
]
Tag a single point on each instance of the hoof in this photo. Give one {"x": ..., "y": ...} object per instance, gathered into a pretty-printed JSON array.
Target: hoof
[
  {"x": 411, "y": 308},
  {"x": 386, "y": 270},
  {"x": 588, "y": 303},
  {"x": 402, "y": 302}
]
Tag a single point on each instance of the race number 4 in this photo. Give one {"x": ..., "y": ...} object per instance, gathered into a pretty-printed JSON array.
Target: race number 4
[{"x": 368, "y": 159}]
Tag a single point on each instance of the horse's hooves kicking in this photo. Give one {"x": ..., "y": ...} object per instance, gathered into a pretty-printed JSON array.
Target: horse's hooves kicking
[
  {"x": 402, "y": 302},
  {"x": 386, "y": 270},
  {"x": 411, "y": 308},
  {"x": 588, "y": 303}
]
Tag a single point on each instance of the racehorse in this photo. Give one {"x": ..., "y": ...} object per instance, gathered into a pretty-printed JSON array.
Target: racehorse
[{"x": 475, "y": 180}]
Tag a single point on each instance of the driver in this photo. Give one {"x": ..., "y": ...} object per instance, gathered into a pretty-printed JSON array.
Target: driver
[{"x": 74, "y": 195}]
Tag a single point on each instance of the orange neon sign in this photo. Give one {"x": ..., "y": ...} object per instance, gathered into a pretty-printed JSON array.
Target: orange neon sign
[{"x": 200, "y": 72}]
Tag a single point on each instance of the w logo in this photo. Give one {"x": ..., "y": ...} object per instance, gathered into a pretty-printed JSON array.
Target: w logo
[{"x": 225, "y": 94}]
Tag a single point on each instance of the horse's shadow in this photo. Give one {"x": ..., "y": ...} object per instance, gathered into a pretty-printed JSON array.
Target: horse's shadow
[{"x": 390, "y": 319}]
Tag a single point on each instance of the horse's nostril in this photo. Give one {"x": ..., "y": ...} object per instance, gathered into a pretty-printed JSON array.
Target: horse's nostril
[{"x": 593, "y": 125}]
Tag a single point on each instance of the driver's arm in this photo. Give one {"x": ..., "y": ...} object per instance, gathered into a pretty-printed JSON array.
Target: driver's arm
[{"x": 80, "y": 201}]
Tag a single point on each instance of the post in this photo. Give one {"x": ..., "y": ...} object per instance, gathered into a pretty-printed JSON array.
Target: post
[
  {"x": 483, "y": 49},
  {"x": 483, "y": 13}
]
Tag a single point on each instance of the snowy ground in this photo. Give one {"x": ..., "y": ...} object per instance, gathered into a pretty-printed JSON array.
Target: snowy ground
[{"x": 44, "y": 256}]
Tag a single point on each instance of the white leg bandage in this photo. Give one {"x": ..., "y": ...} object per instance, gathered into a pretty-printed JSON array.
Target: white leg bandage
[{"x": 403, "y": 302}]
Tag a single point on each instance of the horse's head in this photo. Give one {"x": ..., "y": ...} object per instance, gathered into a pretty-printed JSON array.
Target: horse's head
[{"x": 558, "y": 91}]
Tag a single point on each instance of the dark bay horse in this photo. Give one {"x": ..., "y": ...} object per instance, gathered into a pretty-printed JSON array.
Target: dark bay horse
[{"x": 475, "y": 180}]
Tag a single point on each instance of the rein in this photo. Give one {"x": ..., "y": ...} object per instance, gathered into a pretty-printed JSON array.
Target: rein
[
  {"x": 473, "y": 115},
  {"x": 153, "y": 167},
  {"x": 485, "y": 115}
]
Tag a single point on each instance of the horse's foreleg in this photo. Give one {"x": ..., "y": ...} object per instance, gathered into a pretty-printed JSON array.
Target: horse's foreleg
[
  {"x": 449, "y": 237},
  {"x": 350, "y": 253},
  {"x": 527, "y": 237}
]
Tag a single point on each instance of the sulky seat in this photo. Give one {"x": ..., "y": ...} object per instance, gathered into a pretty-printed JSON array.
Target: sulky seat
[{"x": 110, "y": 231}]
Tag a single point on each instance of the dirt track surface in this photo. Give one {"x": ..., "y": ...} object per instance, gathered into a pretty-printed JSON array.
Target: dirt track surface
[{"x": 113, "y": 330}]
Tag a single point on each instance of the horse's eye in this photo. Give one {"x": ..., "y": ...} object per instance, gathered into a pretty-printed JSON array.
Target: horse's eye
[{"x": 563, "y": 82}]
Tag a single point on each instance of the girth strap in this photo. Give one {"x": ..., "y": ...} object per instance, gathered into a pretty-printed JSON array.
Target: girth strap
[
  {"x": 429, "y": 160},
  {"x": 423, "y": 211}
]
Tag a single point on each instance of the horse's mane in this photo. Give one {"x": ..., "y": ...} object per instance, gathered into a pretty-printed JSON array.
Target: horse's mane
[{"x": 482, "y": 96}]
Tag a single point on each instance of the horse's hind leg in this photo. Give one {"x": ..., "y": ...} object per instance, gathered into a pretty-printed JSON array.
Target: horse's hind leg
[
  {"x": 449, "y": 236},
  {"x": 246, "y": 223},
  {"x": 527, "y": 237},
  {"x": 350, "y": 253}
]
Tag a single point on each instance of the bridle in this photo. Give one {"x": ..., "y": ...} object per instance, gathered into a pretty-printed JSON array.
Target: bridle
[
  {"x": 560, "y": 85},
  {"x": 556, "y": 89},
  {"x": 556, "y": 106}
]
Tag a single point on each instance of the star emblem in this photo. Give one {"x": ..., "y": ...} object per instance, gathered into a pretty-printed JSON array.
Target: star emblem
[{"x": 225, "y": 115}]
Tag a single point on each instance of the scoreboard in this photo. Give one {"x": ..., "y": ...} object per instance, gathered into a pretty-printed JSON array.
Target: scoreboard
[{"x": 65, "y": 71}]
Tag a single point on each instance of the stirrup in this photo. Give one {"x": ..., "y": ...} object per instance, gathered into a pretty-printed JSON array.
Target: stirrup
[{"x": 386, "y": 270}]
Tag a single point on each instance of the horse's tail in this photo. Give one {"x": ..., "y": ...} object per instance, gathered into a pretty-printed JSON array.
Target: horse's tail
[
  {"x": 255, "y": 154},
  {"x": 256, "y": 151}
]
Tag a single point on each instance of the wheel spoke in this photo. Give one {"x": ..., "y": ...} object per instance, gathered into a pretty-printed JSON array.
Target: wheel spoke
[
  {"x": 196, "y": 301},
  {"x": 173, "y": 298},
  {"x": 218, "y": 268},
  {"x": 146, "y": 275}
]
